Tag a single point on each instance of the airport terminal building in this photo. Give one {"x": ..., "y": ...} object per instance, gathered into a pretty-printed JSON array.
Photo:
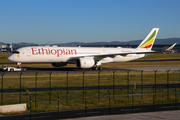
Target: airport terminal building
[{"x": 6, "y": 48}]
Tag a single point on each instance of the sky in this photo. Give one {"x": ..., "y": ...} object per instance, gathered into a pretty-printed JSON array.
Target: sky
[{"x": 63, "y": 21}]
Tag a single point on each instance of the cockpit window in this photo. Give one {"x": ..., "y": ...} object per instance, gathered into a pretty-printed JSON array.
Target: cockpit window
[{"x": 16, "y": 52}]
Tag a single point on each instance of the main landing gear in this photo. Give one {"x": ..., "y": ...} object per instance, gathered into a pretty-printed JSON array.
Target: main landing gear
[{"x": 97, "y": 68}]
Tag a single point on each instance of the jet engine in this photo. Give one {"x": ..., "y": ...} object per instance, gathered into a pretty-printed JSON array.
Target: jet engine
[
  {"x": 85, "y": 62},
  {"x": 59, "y": 64}
]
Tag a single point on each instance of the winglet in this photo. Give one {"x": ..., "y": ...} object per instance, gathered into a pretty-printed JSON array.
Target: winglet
[
  {"x": 171, "y": 47},
  {"x": 148, "y": 42}
]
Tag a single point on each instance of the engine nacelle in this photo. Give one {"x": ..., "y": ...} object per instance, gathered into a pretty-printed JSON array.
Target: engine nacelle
[
  {"x": 59, "y": 64},
  {"x": 85, "y": 62}
]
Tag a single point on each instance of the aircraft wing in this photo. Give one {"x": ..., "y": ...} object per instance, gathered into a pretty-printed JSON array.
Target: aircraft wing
[
  {"x": 124, "y": 54},
  {"x": 113, "y": 54}
]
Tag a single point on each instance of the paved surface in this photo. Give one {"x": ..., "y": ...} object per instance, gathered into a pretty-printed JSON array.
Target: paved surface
[
  {"x": 62, "y": 69},
  {"x": 105, "y": 69},
  {"x": 159, "y": 68},
  {"x": 164, "y": 115}
]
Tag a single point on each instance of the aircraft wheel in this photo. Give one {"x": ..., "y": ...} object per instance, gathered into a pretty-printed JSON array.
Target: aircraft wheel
[
  {"x": 100, "y": 68},
  {"x": 11, "y": 70},
  {"x": 96, "y": 68}
]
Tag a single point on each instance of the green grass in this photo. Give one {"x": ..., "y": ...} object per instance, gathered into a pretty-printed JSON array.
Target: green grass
[
  {"x": 90, "y": 79},
  {"x": 75, "y": 99},
  {"x": 161, "y": 56},
  {"x": 3, "y": 57}
]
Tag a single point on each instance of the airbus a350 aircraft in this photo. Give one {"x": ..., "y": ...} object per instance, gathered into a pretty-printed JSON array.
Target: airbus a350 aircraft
[{"x": 84, "y": 57}]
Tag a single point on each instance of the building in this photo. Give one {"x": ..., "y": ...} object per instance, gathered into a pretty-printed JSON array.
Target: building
[{"x": 6, "y": 48}]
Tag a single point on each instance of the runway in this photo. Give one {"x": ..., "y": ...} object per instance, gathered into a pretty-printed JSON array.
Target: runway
[
  {"x": 162, "y": 115},
  {"x": 150, "y": 68},
  {"x": 105, "y": 69}
]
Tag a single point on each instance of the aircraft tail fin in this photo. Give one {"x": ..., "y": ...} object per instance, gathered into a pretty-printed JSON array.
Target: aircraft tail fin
[
  {"x": 171, "y": 47},
  {"x": 148, "y": 42}
]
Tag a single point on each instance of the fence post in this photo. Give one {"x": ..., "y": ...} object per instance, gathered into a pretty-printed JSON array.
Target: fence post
[
  {"x": 128, "y": 84},
  {"x": 98, "y": 84},
  {"x": 155, "y": 81},
  {"x": 58, "y": 106},
  {"x": 168, "y": 84},
  {"x": 153, "y": 100},
  {"x": 109, "y": 102},
  {"x": 85, "y": 104},
  {"x": 50, "y": 87},
  {"x": 179, "y": 76},
  {"x": 36, "y": 88},
  {"x": 175, "y": 98},
  {"x": 83, "y": 86},
  {"x": 113, "y": 84},
  {"x": 30, "y": 105},
  {"x": 132, "y": 101},
  {"x": 2, "y": 90},
  {"x": 141, "y": 84},
  {"x": 20, "y": 89},
  {"x": 67, "y": 89}
]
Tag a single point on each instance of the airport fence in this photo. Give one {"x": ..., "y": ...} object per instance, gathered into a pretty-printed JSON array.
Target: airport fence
[{"x": 81, "y": 90}]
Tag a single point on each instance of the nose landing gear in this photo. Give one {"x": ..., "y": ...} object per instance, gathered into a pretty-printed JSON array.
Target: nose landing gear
[{"x": 19, "y": 65}]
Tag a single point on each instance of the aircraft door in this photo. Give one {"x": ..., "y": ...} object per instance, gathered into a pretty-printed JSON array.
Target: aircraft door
[{"x": 28, "y": 52}]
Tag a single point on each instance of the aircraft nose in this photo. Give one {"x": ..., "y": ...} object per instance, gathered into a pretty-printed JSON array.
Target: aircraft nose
[{"x": 10, "y": 58}]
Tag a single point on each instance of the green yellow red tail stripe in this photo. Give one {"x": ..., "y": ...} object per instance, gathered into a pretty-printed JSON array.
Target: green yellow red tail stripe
[{"x": 148, "y": 42}]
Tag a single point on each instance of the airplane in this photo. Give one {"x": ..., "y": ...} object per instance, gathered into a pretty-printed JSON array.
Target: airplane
[{"x": 84, "y": 57}]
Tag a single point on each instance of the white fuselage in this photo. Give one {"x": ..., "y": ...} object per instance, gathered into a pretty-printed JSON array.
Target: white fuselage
[
  {"x": 83, "y": 57},
  {"x": 63, "y": 54}
]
